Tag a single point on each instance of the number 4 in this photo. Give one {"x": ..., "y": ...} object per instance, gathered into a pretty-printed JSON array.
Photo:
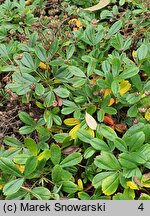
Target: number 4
[{"x": 141, "y": 207}]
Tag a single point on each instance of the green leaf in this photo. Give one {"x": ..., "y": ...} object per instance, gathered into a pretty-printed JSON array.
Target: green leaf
[
  {"x": 99, "y": 144},
  {"x": 132, "y": 111},
  {"x": 110, "y": 110},
  {"x": 131, "y": 160},
  {"x": 57, "y": 173},
  {"x": 68, "y": 110},
  {"x": 31, "y": 145},
  {"x": 89, "y": 35},
  {"x": 132, "y": 99},
  {"x": 27, "y": 60},
  {"x": 19, "y": 195},
  {"x": 48, "y": 118},
  {"x": 84, "y": 196},
  {"x": 110, "y": 184},
  {"x": 11, "y": 141},
  {"x": 76, "y": 71},
  {"x": 60, "y": 137},
  {"x": 129, "y": 173},
  {"x": 142, "y": 52},
  {"x": 57, "y": 119},
  {"x": 26, "y": 129},
  {"x": 54, "y": 46},
  {"x": 69, "y": 187},
  {"x": 135, "y": 141},
  {"x": 116, "y": 65},
  {"x": 115, "y": 28},
  {"x": 55, "y": 154},
  {"x": 144, "y": 197},
  {"x": 70, "y": 51},
  {"x": 115, "y": 87},
  {"x": 89, "y": 152},
  {"x": 103, "y": 83},
  {"x": 50, "y": 97},
  {"x": 30, "y": 165},
  {"x": 120, "y": 144},
  {"x": 3, "y": 50},
  {"x": 25, "y": 118},
  {"x": 39, "y": 89},
  {"x": 129, "y": 72},
  {"x": 13, "y": 186},
  {"x": 41, "y": 193},
  {"x": 107, "y": 161},
  {"x": 98, "y": 179},
  {"x": 120, "y": 196},
  {"x": 71, "y": 160},
  {"x": 9, "y": 167},
  {"x": 108, "y": 132},
  {"x": 100, "y": 115},
  {"x": 136, "y": 80},
  {"x": 84, "y": 135},
  {"x": 61, "y": 92},
  {"x": 57, "y": 62},
  {"x": 21, "y": 158},
  {"x": 41, "y": 53}
]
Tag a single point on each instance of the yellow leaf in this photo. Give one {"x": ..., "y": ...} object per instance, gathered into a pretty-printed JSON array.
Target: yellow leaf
[
  {"x": 100, "y": 5},
  {"x": 43, "y": 66},
  {"x": 80, "y": 185},
  {"x": 124, "y": 87},
  {"x": 91, "y": 132},
  {"x": 107, "y": 92},
  {"x": 147, "y": 115},
  {"x": 27, "y": 3},
  {"x": 77, "y": 23},
  {"x": 73, "y": 132},
  {"x": 20, "y": 167},
  {"x": 147, "y": 185},
  {"x": 44, "y": 155},
  {"x": 12, "y": 148},
  {"x": 91, "y": 122},
  {"x": 134, "y": 55},
  {"x": 71, "y": 121},
  {"x": 1, "y": 186},
  {"x": 132, "y": 185}
]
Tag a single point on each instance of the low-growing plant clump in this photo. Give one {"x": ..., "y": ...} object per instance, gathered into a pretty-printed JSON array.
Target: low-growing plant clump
[{"x": 75, "y": 99}]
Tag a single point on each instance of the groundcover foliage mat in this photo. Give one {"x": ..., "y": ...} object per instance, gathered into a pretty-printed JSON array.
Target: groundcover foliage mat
[{"x": 75, "y": 100}]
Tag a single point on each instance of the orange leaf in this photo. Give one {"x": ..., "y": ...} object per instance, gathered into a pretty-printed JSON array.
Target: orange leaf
[
  {"x": 111, "y": 102},
  {"x": 108, "y": 120},
  {"x": 27, "y": 3},
  {"x": 43, "y": 66}
]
